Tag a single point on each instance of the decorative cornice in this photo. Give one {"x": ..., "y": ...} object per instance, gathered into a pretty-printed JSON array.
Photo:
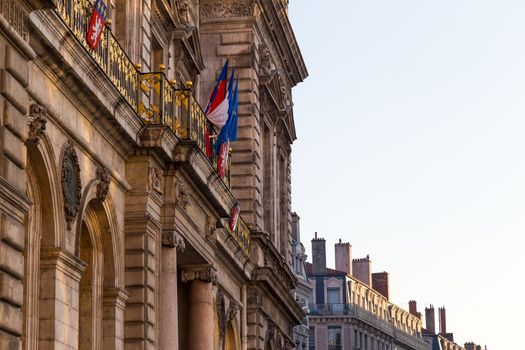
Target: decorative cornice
[{"x": 205, "y": 273}]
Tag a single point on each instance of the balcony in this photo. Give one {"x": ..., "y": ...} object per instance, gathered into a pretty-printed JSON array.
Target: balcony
[{"x": 155, "y": 99}]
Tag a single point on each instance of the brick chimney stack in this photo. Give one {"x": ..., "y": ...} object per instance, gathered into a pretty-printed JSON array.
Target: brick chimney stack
[
  {"x": 412, "y": 307},
  {"x": 380, "y": 283},
  {"x": 442, "y": 320},
  {"x": 318, "y": 255},
  {"x": 343, "y": 257},
  {"x": 361, "y": 269},
  {"x": 430, "y": 319}
]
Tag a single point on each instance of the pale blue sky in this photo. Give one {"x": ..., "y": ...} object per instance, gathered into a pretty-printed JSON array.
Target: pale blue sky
[{"x": 411, "y": 145}]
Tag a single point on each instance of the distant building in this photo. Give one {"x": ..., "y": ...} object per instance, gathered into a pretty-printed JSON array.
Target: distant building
[
  {"x": 304, "y": 288},
  {"x": 441, "y": 340},
  {"x": 350, "y": 307}
]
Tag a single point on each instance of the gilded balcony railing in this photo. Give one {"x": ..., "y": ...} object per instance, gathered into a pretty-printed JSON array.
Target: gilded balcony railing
[
  {"x": 109, "y": 55},
  {"x": 241, "y": 234},
  {"x": 152, "y": 96}
]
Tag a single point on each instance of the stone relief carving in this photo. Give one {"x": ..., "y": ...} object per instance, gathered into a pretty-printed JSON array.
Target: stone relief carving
[
  {"x": 266, "y": 65},
  {"x": 156, "y": 179},
  {"x": 227, "y": 8},
  {"x": 71, "y": 185},
  {"x": 253, "y": 297},
  {"x": 183, "y": 10},
  {"x": 36, "y": 120},
  {"x": 232, "y": 310},
  {"x": 172, "y": 239},
  {"x": 211, "y": 226},
  {"x": 104, "y": 177},
  {"x": 183, "y": 196}
]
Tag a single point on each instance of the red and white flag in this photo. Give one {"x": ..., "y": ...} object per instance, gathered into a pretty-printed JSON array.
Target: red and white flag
[
  {"x": 96, "y": 24},
  {"x": 222, "y": 160}
]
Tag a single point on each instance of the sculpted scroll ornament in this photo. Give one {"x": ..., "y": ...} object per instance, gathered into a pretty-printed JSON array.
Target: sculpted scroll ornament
[
  {"x": 71, "y": 185},
  {"x": 36, "y": 120}
]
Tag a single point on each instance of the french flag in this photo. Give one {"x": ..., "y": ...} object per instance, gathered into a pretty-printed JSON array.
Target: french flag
[{"x": 217, "y": 109}]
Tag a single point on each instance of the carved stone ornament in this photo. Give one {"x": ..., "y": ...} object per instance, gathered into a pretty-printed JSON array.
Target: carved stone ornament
[
  {"x": 266, "y": 66},
  {"x": 103, "y": 176},
  {"x": 221, "y": 314},
  {"x": 253, "y": 297},
  {"x": 183, "y": 198},
  {"x": 36, "y": 120},
  {"x": 232, "y": 311},
  {"x": 156, "y": 180},
  {"x": 227, "y": 8},
  {"x": 71, "y": 185},
  {"x": 172, "y": 239},
  {"x": 183, "y": 10},
  {"x": 200, "y": 273},
  {"x": 211, "y": 226}
]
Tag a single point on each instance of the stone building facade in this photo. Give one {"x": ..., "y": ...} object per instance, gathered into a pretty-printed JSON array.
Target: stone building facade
[
  {"x": 350, "y": 307},
  {"x": 114, "y": 229}
]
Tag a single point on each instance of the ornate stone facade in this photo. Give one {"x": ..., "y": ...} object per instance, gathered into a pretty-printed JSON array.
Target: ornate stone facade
[{"x": 112, "y": 215}]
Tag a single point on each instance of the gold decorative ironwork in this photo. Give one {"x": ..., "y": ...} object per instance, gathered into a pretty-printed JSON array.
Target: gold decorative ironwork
[
  {"x": 241, "y": 234},
  {"x": 109, "y": 55}
]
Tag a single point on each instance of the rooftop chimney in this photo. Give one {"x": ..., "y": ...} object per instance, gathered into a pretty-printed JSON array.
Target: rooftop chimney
[
  {"x": 361, "y": 270},
  {"x": 343, "y": 257},
  {"x": 380, "y": 283},
  {"x": 296, "y": 232},
  {"x": 412, "y": 307},
  {"x": 430, "y": 319},
  {"x": 442, "y": 320},
  {"x": 318, "y": 255}
]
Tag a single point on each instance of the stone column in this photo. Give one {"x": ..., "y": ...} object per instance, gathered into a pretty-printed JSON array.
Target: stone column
[
  {"x": 200, "y": 320},
  {"x": 172, "y": 243}
]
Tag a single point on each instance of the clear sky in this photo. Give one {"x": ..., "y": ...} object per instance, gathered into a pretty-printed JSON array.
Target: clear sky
[{"x": 411, "y": 146}]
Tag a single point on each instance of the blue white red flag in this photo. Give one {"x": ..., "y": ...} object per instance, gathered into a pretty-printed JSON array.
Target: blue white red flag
[
  {"x": 229, "y": 131},
  {"x": 96, "y": 24},
  {"x": 217, "y": 109}
]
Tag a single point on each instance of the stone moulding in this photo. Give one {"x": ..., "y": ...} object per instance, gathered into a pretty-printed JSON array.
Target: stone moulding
[{"x": 71, "y": 183}]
